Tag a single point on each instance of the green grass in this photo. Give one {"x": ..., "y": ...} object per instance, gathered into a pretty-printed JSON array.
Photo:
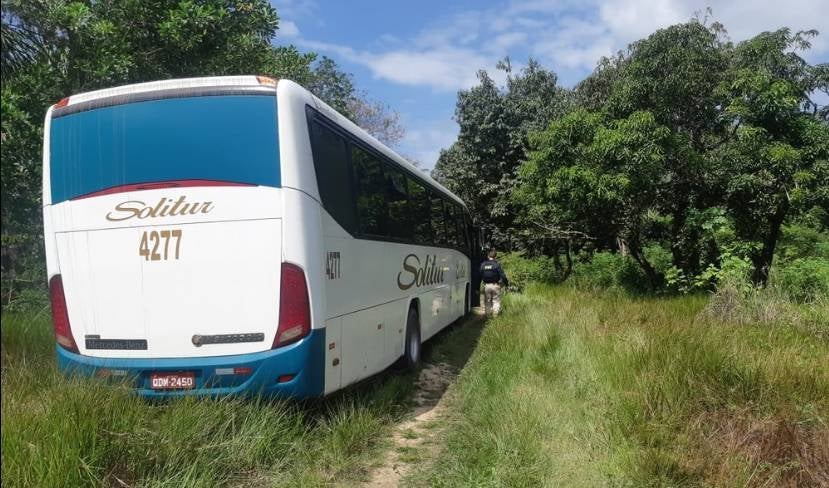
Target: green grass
[
  {"x": 566, "y": 388},
  {"x": 571, "y": 388},
  {"x": 70, "y": 432}
]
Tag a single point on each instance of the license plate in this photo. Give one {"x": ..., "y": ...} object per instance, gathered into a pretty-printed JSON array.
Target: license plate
[{"x": 172, "y": 381}]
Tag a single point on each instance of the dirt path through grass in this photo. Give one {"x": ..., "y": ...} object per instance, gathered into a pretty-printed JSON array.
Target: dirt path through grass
[{"x": 414, "y": 442}]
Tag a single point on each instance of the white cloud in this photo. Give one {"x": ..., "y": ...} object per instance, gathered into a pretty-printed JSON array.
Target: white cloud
[
  {"x": 627, "y": 20},
  {"x": 288, "y": 29},
  {"x": 446, "y": 68},
  {"x": 506, "y": 41},
  {"x": 566, "y": 35},
  {"x": 294, "y": 8},
  {"x": 425, "y": 138}
]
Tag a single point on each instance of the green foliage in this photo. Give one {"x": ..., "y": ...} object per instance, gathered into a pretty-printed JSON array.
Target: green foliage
[
  {"x": 800, "y": 240},
  {"x": 609, "y": 271},
  {"x": 602, "y": 178},
  {"x": 495, "y": 123},
  {"x": 774, "y": 165},
  {"x": 601, "y": 271},
  {"x": 804, "y": 279},
  {"x": 689, "y": 141},
  {"x": 523, "y": 270}
]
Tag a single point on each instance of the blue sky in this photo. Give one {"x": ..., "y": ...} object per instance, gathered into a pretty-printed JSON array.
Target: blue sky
[{"x": 415, "y": 56}]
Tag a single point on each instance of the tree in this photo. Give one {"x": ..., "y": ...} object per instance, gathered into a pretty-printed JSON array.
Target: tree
[
  {"x": 333, "y": 86},
  {"x": 776, "y": 165},
  {"x": 495, "y": 124},
  {"x": 377, "y": 118},
  {"x": 674, "y": 74},
  {"x": 600, "y": 178},
  {"x": 336, "y": 88}
]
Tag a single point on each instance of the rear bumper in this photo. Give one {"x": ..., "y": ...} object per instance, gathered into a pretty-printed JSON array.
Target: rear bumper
[{"x": 304, "y": 360}]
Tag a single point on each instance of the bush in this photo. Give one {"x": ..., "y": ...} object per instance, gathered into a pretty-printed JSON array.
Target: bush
[
  {"x": 601, "y": 271},
  {"x": 607, "y": 270},
  {"x": 803, "y": 279},
  {"x": 802, "y": 241},
  {"x": 28, "y": 299},
  {"x": 521, "y": 269}
]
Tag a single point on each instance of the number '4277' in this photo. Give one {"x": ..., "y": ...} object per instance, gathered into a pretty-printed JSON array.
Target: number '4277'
[{"x": 156, "y": 245}]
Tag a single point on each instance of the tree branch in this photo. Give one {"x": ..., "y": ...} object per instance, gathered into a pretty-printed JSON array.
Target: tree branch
[{"x": 559, "y": 233}]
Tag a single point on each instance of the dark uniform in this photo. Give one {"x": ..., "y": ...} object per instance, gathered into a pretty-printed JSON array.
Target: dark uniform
[{"x": 493, "y": 275}]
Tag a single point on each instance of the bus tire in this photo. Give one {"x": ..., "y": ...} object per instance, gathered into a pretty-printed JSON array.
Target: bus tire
[{"x": 411, "y": 352}]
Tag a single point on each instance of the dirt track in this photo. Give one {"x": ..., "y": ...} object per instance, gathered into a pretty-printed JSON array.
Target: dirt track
[{"x": 415, "y": 440}]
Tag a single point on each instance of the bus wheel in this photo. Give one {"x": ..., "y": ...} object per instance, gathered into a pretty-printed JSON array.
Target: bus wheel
[{"x": 411, "y": 354}]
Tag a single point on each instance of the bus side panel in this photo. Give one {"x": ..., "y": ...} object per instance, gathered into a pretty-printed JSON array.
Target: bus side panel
[
  {"x": 333, "y": 354},
  {"x": 395, "y": 327},
  {"x": 372, "y": 339},
  {"x": 364, "y": 344},
  {"x": 434, "y": 311}
]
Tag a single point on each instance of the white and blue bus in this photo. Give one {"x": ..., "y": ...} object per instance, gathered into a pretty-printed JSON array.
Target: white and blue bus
[{"x": 237, "y": 235}]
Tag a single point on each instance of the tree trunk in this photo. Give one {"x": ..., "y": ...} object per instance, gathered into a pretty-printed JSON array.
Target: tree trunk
[
  {"x": 569, "y": 256},
  {"x": 655, "y": 278},
  {"x": 762, "y": 262},
  {"x": 557, "y": 259},
  {"x": 623, "y": 248}
]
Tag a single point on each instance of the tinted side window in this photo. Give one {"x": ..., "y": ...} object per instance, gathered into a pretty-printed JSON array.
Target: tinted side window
[
  {"x": 333, "y": 178},
  {"x": 397, "y": 197},
  {"x": 467, "y": 236},
  {"x": 438, "y": 219},
  {"x": 451, "y": 225},
  {"x": 420, "y": 207},
  {"x": 371, "y": 188}
]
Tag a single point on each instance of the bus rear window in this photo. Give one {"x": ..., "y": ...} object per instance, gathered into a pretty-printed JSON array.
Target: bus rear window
[{"x": 230, "y": 138}]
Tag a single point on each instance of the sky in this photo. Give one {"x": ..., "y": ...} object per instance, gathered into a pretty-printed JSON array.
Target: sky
[{"x": 415, "y": 56}]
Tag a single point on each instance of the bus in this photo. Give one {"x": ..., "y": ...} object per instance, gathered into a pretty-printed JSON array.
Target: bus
[{"x": 236, "y": 235}]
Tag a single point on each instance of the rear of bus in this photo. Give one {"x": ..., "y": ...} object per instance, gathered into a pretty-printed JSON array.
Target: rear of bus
[{"x": 163, "y": 218}]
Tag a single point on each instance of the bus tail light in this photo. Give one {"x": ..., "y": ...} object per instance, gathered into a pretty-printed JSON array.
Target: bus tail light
[
  {"x": 294, "y": 306},
  {"x": 60, "y": 315}
]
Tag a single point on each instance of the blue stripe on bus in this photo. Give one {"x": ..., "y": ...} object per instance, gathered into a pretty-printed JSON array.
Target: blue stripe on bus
[
  {"x": 304, "y": 359},
  {"x": 223, "y": 138}
]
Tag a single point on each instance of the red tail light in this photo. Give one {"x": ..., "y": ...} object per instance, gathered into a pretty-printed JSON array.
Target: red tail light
[
  {"x": 294, "y": 306},
  {"x": 60, "y": 315}
]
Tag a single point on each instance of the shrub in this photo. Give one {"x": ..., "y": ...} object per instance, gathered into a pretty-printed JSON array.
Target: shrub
[
  {"x": 28, "y": 299},
  {"x": 802, "y": 241},
  {"x": 521, "y": 269},
  {"x": 803, "y": 279},
  {"x": 606, "y": 270},
  {"x": 601, "y": 271}
]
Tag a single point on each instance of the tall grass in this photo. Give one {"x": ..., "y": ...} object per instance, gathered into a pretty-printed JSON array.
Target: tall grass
[
  {"x": 578, "y": 388},
  {"x": 69, "y": 432}
]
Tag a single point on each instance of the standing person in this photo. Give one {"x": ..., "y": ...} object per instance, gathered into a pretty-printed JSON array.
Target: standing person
[{"x": 492, "y": 275}]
